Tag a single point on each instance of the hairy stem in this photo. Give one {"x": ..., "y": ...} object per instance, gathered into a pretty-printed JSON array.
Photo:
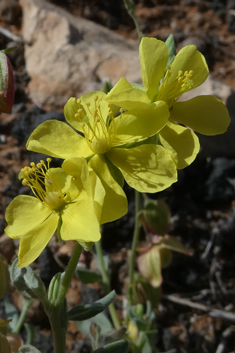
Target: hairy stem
[
  {"x": 57, "y": 310},
  {"x": 69, "y": 273},
  {"x": 130, "y": 7}
]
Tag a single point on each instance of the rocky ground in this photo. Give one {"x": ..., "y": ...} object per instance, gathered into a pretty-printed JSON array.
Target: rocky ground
[{"x": 60, "y": 53}]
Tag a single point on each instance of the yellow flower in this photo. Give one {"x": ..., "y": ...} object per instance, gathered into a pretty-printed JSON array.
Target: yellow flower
[
  {"x": 69, "y": 203},
  {"x": 204, "y": 114},
  {"x": 104, "y": 139}
]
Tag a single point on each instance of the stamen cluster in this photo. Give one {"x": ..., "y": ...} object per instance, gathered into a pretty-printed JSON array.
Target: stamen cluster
[
  {"x": 171, "y": 92},
  {"x": 99, "y": 131},
  {"x": 42, "y": 183}
]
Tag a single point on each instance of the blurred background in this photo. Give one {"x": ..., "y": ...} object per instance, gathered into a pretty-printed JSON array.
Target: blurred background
[{"x": 67, "y": 48}]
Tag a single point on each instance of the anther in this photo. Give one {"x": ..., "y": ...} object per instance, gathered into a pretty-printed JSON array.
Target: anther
[
  {"x": 180, "y": 73},
  {"x": 39, "y": 165},
  {"x": 32, "y": 164},
  {"x": 24, "y": 182},
  {"x": 121, "y": 110},
  {"x": 49, "y": 160},
  {"x": 79, "y": 101},
  {"x": 88, "y": 104}
]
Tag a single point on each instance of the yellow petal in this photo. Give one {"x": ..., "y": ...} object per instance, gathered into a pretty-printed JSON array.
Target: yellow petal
[
  {"x": 147, "y": 168},
  {"x": 78, "y": 168},
  {"x": 35, "y": 241},
  {"x": 115, "y": 201},
  {"x": 23, "y": 214},
  {"x": 204, "y": 114},
  {"x": 79, "y": 221},
  {"x": 85, "y": 182},
  {"x": 189, "y": 58},
  {"x": 57, "y": 139},
  {"x": 98, "y": 193},
  {"x": 56, "y": 179},
  {"x": 181, "y": 142},
  {"x": 139, "y": 124},
  {"x": 124, "y": 95},
  {"x": 153, "y": 59}
]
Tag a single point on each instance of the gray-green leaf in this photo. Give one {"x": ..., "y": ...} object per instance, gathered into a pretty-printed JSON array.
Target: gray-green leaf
[
  {"x": 88, "y": 276},
  {"x": 84, "y": 312},
  {"x": 116, "y": 347}
]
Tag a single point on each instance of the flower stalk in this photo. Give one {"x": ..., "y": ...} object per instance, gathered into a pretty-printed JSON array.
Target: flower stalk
[
  {"x": 57, "y": 312},
  {"x": 134, "y": 246}
]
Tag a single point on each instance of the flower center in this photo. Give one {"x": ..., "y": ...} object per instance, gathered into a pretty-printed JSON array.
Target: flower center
[
  {"x": 170, "y": 92},
  {"x": 43, "y": 184},
  {"x": 98, "y": 125}
]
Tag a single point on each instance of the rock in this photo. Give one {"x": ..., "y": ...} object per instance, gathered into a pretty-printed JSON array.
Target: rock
[{"x": 68, "y": 56}]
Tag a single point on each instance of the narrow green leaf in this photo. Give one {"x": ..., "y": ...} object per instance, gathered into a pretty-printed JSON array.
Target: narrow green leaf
[
  {"x": 88, "y": 276},
  {"x": 8, "y": 50},
  {"x": 115, "y": 347},
  {"x": 84, "y": 312},
  {"x": 107, "y": 86},
  {"x": 170, "y": 42}
]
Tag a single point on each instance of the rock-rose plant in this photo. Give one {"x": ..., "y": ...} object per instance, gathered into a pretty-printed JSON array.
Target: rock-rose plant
[{"x": 138, "y": 133}]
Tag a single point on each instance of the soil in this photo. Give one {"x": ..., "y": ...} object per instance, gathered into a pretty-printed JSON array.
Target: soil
[{"x": 202, "y": 203}]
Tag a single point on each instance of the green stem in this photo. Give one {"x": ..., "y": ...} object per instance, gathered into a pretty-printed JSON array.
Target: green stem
[
  {"x": 26, "y": 305},
  {"x": 57, "y": 310},
  {"x": 59, "y": 327},
  {"x": 106, "y": 284},
  {"x": 130, "y": 7},
  {"x": 133, "y": 248},
  {"x": 69, "y": 274}
]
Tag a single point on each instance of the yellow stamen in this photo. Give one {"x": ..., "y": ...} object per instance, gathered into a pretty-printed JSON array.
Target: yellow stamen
[
  {"x": 44, "y": 185},
  {"x": 99, "y": 130},
  {"x": 171, "y": 92}
]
